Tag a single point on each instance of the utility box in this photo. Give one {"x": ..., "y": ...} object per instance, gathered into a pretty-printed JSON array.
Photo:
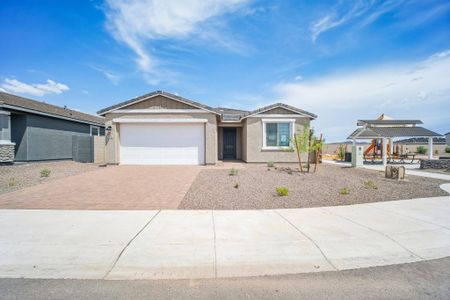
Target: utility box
[{"x": 357, "y": 156}]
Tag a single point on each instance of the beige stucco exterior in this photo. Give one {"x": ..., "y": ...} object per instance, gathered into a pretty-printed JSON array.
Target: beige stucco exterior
[
  {"x": 253, "y": 142},
  {"x": 249, "y": 131},
  {"x": 112, "y": 147}
]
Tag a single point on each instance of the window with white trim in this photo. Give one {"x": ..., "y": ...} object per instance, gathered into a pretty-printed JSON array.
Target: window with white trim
[
  {"x": 277, "y": 134},
  {"x": 95, "y": 130}
]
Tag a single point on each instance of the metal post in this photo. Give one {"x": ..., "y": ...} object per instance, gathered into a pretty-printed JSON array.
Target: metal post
[
  {"x": 384, "y": 151},
  {"x": 430, "y": 147}
]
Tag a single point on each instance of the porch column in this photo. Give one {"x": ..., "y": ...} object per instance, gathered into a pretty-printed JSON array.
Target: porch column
[
  {"x": 385, "y": 141},
  {"x": 430, "y": 147},
  {"x": 391, "y": 149}
]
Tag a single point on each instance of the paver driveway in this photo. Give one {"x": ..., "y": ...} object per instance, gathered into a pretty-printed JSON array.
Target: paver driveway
[{"x": 113, "y": 187}]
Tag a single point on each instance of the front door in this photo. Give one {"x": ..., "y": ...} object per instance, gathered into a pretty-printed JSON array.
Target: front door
[{"x": 229, "y": 143}]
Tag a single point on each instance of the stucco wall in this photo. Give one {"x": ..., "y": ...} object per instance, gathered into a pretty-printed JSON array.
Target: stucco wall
[
  {"x": 113, "y": 137},
  {"x": 99, "y": 149},
  {"x": 253, "y": 143}
]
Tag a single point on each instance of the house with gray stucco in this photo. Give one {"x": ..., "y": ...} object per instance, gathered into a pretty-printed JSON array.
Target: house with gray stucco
[
  {"x": 163, "y": 128},
  {"x": 32, "y": 130}
]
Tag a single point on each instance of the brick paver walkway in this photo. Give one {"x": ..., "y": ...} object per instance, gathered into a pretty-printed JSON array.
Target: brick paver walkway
[{"x": 113, "y": 187}]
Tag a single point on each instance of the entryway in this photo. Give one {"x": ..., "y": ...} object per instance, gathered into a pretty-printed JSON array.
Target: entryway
[{"x": 229, "y": 143}]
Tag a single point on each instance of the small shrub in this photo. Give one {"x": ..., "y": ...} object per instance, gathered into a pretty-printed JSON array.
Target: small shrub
[
  {"x": 236, "y": 185},
  {"x": 12, "y": 181},
  {"x": 270, "y": 164},
  {"x": 341, "y": 152},
  {"x": 447, "y": 149},
  {"x": 233, "y": 172},
  {"x": 344, "y": 191},
  {"x": 369, "y": 184},
  {"x": 282, "y": 191},
  {"x": 422, "y": 150},
  {"x": 436, "y": 152},
  {"x": 45, "y": 172}
]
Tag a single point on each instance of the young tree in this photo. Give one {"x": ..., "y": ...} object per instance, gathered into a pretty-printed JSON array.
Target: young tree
[
  {"x": 301, "y": 144},
  {"x": 317, "y": 148}
]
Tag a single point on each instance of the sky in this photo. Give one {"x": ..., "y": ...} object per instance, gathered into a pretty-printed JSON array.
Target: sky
[{"x": 342, "y": 60}]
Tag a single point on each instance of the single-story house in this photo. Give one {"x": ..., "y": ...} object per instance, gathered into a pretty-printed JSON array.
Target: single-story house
[
  {"x": 34, "y": 130},
  {"x": 162, "y": 128}
]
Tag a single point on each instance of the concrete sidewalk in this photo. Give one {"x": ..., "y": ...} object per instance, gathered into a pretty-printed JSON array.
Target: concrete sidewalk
[{"x": 208, "y": 244}]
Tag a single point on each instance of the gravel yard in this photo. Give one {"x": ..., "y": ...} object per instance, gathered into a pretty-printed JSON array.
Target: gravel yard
[
  {"x": 254, "y": 188},
  {"x": 18, "y": 176}
]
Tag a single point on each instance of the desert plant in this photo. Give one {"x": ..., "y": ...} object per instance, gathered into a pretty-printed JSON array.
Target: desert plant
[
  {"x": 236, "y": 185},
  {"x": 270, "y": 164},
  {"x": 282, "y": 191},
  {"x": 447, "y": 149},
  {"x": 45, "y": 172},
  {"x": 344, "y": 191},
  {"x": 422, "y": 150},
  {"x": 340, "y": 151},
  {"x": 12, "y": 181},
  {"x": 233, "y": 172},
  {"x": 301, "y": 144},
  {"x": 369, "y": 184}
]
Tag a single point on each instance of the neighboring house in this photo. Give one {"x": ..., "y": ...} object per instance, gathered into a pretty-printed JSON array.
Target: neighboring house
[
  {"x": 33, "y": 130},
  {"x": 162, "y": 128},
  {"x": 447, "y": 138}
]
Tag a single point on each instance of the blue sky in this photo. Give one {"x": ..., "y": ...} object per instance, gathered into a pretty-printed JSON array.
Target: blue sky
[{"x": 342, "y": 60}]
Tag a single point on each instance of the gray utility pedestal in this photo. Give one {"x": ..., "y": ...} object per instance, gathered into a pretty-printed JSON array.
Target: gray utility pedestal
[{"x": 357, "y": 156}]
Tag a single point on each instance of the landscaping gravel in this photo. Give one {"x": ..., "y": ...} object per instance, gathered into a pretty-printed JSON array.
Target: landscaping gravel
[
  {"x": 254, "y": 187},
  {"x": 21, "y": 175}
]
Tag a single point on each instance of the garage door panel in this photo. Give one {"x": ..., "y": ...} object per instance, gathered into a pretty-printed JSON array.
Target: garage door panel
[{"x": 162, "y": 144}]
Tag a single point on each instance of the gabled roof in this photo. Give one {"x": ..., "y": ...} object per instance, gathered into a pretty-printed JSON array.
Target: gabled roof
[
  {"x": 10, "y": 101},
  {"x": 389, "y": 132},
  {"x": 231, "y": 114},
  {"x": 154, "y": 94},
  {"x": 282, "y": 105},
  {"x": 389, "y": 122}
]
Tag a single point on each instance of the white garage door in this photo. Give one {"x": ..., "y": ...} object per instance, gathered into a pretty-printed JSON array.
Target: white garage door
[{"x": 162, "y": 144}]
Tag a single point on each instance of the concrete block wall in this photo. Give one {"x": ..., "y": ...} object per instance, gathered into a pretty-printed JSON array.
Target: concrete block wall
[{"x": 99, "y": 149}]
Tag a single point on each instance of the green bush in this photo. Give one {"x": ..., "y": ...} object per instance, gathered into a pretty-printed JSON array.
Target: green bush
[
  {"x": 341, "y": 152},
  {"x": 344, "y": 191},
  {"x": 369, "y": 184},
  {"x": 422, "y": 150},
  {"x": 270, "y": 164},
  {"x": 233, "y": 172},
  {"x": 447, "y": 149},
  {"x": 282, "y": 191},
  {"x": 45, "y": 172}
]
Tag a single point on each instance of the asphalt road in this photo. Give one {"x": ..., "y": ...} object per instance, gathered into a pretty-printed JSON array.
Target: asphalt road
[{"x": 422, "y": 280}]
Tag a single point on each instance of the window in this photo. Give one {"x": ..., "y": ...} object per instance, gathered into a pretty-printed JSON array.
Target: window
[
  {"x": 95, "y": 130},
  {"x": 277, "y": 133}
]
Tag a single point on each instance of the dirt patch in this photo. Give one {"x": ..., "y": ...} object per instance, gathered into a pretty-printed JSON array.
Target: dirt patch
[
  {"x": 18, "y": 176},
  {"x": 254, "y": 187}
]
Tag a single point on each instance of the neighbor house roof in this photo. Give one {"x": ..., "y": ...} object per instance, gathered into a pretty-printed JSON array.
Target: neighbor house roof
[
  {"x": 421, "y": 140},
  {"x": 14, "y": 102},
  {"x": 388, "y": 132},
  {"x": 154, "y": 94}
]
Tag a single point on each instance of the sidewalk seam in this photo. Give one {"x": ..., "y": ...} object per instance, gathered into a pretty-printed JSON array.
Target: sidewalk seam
[
  {"x": 128, "y": 244},
  {"x": 215, "y": 249},
  {"x": 376, "y": 231},
  {"x": 310, "y": 239},
  {"x": 411, "y": 217}
]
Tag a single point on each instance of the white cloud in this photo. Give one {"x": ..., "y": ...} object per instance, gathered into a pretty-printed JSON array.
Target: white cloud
[
  {"x": 114, "y": 78},
  {"x": 298, "y": 78},
  {"x": 418, "y": 90},
  {"x": 341, "y": 15},
  {"x": 34, "y": 89},
  {"x": 137, "y": 22}
]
